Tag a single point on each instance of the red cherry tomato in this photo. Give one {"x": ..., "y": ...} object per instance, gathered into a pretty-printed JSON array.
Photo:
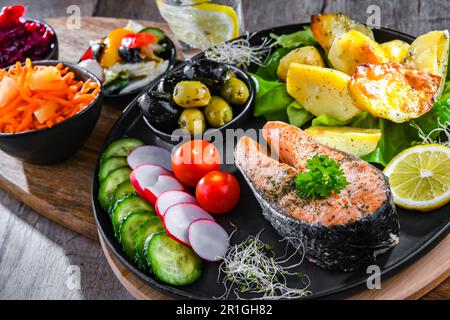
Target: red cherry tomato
[
  {"x": 193, "y": 160},
  {"x": 218, "y": 192}
]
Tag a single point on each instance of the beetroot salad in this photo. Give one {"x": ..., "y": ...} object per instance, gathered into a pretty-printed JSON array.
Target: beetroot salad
[{"x": 21, "y": 39}]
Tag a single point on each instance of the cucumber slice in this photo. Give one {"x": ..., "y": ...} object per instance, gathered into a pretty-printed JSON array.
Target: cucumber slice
[
  {"x": 128, "y": 229},
  {"x": 158, "y": 33},
  {"x": 121, "y": 148},
  {"x": 172, "y": 262},
  {"x": 109, "y": 185},
  {"x": 125, "y": 206},
  {"x": 122, "y": 190},
  {"x": 110, "y": 165},
  {"x": 115, "y": 86},
  {"x": 143, "y": 236}
]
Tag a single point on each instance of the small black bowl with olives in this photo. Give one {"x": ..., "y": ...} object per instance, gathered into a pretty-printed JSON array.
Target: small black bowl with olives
[{"x": 195, "y": 98}]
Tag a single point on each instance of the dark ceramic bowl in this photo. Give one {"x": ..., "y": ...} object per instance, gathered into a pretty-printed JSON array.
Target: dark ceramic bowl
[
  {"x": 55, "y": 144},
  {"x": 53, "y": 53},
  {"x": 241, "y": 113},
  {"x": 169, "y": 54}
]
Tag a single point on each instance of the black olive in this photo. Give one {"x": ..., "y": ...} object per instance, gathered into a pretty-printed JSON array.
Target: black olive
[
  {"x": 189, "y": 70},
  {"x": 160, "y": 110},
  {"x": 211, "y": 73},
  {"x": 130, "y": 55},
  {"x": 168, "y": 84},
  {"x": 97, "y": 50}
]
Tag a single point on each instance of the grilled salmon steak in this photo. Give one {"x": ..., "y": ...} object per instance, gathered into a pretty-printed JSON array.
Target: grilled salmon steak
[{"x": 344, "y": 231}]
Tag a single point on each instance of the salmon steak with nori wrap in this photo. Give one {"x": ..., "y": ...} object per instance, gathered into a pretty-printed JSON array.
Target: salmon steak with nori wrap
[{"x": 344, "y": 231}]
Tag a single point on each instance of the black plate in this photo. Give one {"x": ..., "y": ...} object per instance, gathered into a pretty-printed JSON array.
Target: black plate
[{"x": 418, "y": 232}]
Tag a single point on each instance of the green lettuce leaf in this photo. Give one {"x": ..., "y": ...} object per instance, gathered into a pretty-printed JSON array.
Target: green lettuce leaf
[
  {"x": 296, "y": 39},
  {"x": 395, "y": 137},
  {"x": 326, "y": 120},
  {"x": 277, "y": 116},
  {"x": 268, "y": 71},
  {"x": 297, "y": 115},
  {"x": 271, "y": 98},
  {"x": 437, "y": 117}
]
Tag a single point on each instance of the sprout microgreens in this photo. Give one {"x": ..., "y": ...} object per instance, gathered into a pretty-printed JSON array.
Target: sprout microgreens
[
  {"x": 252, "y": 267},
  {"x": 240, "y": 52},
  {"x": 427, "y": 138}
]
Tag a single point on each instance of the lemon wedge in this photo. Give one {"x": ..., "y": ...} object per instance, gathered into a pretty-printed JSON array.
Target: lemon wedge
[
  {"x": 420, "y": 177},
  {"x": 355, "y": 141},
  {"x": 201, "y": 25}
]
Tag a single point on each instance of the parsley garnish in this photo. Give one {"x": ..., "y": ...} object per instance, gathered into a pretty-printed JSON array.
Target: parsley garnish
[{"x": 323, "y": 177}]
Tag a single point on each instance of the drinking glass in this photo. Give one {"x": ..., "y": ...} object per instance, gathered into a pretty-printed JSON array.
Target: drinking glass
[{"x": 203, "y": 23}]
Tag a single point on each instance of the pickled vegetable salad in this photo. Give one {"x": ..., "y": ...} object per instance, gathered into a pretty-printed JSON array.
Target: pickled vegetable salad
[
  {"x": 21, "y": 39},
  {"x": 127, "y": 59}
]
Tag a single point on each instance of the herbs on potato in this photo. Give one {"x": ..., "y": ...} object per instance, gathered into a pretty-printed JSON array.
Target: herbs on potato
[
  {"x": 395, "y": 50},
  {"x": 354, "y": 48},
  {"x": 305, "y": 55},
  {"x": 429, "y": 52},
  {"x": 321, "y": 91},
  {"x": 327, "y": 27}
]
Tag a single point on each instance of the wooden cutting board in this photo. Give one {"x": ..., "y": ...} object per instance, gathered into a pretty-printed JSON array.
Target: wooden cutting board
[{"x": 61, "y": 192}]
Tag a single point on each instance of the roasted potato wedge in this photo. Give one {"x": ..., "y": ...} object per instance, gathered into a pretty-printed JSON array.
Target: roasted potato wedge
[
  {"x": 429, "y": 52},
  {"x": 395, "y": 50},
  {"x": 321, "y": 91},
  {"x": 327, "y": 27},
  {"x": 355, "y": 141},
  {"x": 304, "y": 55},
  {"x": 354, "y": 48},
  {"x": 393, "y": 91}
]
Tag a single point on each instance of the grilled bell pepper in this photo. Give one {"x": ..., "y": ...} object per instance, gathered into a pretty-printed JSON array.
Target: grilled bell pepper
[
  {"x": 138, "y": 40},
  {"x": 113, "y": 41}
]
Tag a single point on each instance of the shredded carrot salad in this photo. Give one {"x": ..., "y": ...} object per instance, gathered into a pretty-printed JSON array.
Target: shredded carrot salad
[{"x": 38, "y": 97}]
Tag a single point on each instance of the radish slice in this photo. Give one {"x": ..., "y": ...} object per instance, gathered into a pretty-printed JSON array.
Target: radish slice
[
  {"x": 145, "y": 175},
  {"x": 170, "y": 198},
  {"x": 150, "y": 155},
  {"x": 163, "y": 183},
  {"x": 178, "y": 218},
  {"x": 208, "y": 239}
]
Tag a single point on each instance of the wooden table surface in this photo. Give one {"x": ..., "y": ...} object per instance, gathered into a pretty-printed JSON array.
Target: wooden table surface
[{"x": 40, "y": 259}]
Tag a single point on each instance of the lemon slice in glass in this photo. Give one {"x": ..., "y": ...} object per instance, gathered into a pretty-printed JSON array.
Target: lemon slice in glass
[
  {"x": 201, "y": 25},
  {"x": 420, "y": 177}
]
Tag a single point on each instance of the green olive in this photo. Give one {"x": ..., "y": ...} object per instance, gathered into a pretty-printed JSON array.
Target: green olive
[
  {"x": 218, "y": 112},
  {"x": 235, "y": 91},
  {"x": 230, "y": 74},
  {"x": 191, "y": 94},
  {"x": 193, "y": 121}
]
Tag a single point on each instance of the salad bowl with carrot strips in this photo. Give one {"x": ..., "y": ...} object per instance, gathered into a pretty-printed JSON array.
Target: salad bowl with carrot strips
[{"x": 47, "y": 109}]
